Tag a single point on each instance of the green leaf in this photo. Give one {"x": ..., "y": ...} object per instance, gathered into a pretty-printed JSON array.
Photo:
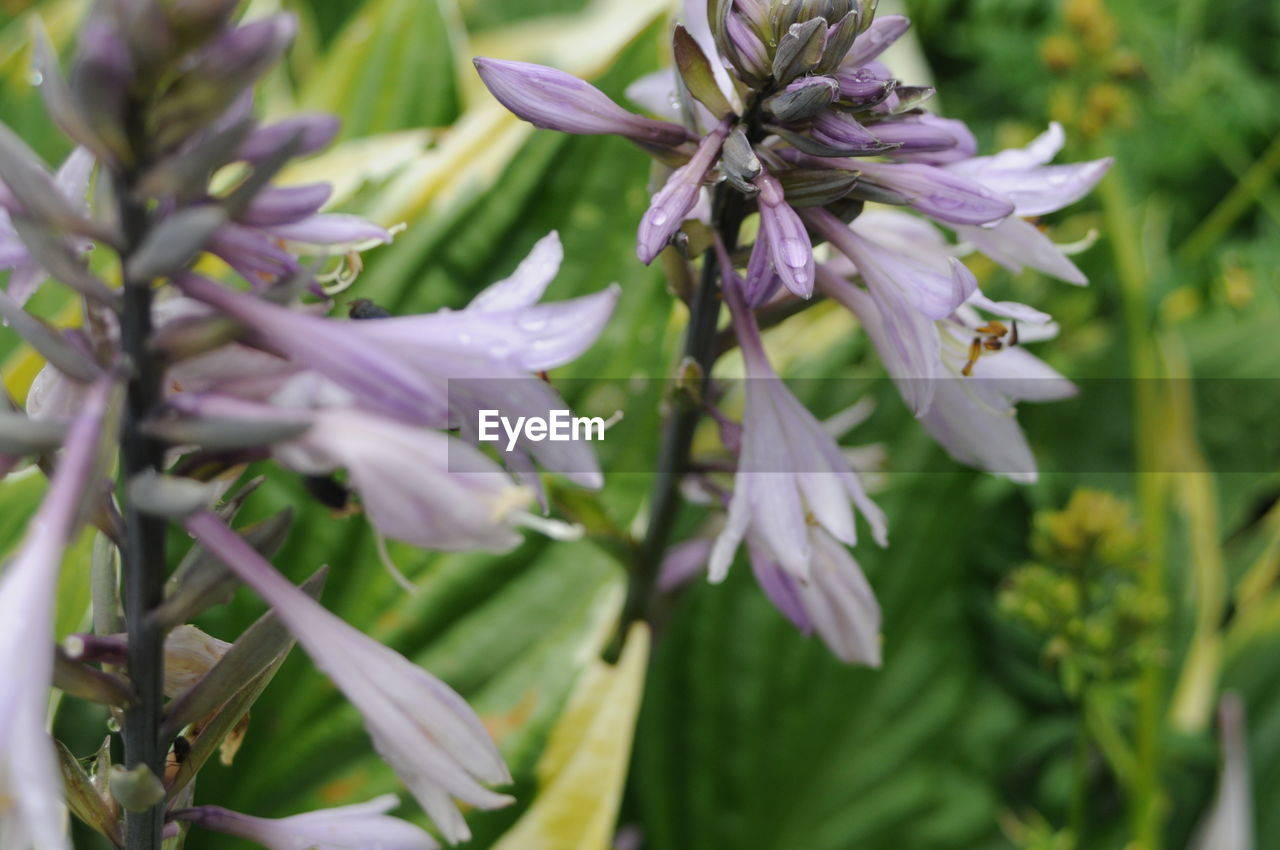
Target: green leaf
[{"x": 393, "y": 67}]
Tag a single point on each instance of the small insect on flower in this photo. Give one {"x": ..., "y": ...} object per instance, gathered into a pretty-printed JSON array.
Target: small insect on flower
[{"x": 991, "y": 338}]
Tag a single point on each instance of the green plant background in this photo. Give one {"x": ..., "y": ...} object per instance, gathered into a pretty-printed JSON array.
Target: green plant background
[{"x": 751, "y": 736}]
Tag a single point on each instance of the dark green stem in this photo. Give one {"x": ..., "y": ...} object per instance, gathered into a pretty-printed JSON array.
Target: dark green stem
[
  {"x": 144, "y": 552},
  {"x": 701, "y": 348}
]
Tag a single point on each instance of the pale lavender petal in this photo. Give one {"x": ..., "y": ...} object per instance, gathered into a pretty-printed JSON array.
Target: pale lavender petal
[
  {"x": 778, "y": 586},
  {"x": 1047, "y": 188},
  {"x": 677, "y": 198},
  {"x": 1008, "y": 309},
  {"x": 528, "y": 283},
  {"x": 30, "y": 784},
  {"x": 330, "y": 229},
  {"x": 927, "y": 139},
  {"x": 682, "y": 562},
  {"x": 1016, "y": 242},
  {"x": 938, "y": 193},
  {"x": 658, "y": 94},
  {"x": 25, "y": 281},
  {"x": 310, "y": 133},
  {"x": 883, "y": 32},
  {"x": 73, "y": 176},
  {"x": 278, "y": 205},
  {"x": 905, "y": 338},
  {"x": 256, "y": 258},
  {"x": 336, "y": 350},
  {"x": 354, "y": 827},
  {"x": 935, "y": 285},
  {"x": 429, "y": 506},
  {"x": 536, "y": 338},
  {"x": 841, "y": 604},
  {"x": 789, "y": 245},
  {"x": 420, "y": 727},
  {"x": 551, "y": 99},
  {"x": 761, "y": 282}
]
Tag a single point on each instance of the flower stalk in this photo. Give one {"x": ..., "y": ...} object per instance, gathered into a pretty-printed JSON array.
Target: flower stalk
[
  {"x": 701, "y": 350},
  {"x": 143, "y": 574}
]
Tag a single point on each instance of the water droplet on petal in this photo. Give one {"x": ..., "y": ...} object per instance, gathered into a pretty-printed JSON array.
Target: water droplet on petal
[
  {"x": 464, "y": 338},
  {"x": 795, "y": 253},
  {"x": 35, "y": 78},
  {"x": 658, "y": 217},
  {"x": 532, "y": 322}
]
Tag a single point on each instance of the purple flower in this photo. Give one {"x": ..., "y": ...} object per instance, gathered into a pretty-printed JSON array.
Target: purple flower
[
  {"x": 27, "y": 276},
  {"x": 402, "y": 366},
  {"x": 790, "y": 470},
  {"x": 677, "y": 198},
  {"x": 422, "y": 728},
  {"x": 928, "y": 139},
  {"x": 32, "y": 812},
  {"x": 455, "y": 498},
  {"x": 554, "y": 100},
  {"x": 842, "y": 135},
  {"x": 1023, "y": 176},
  {"x": 311, "y": 132},
  {"x": 835, "y": 599},
  {"x": 358, "y": 827},
  {"x": 282, "y": 224},
  {"x": 883, "y": 32},
  {"x": 790, "y": 250},
  {"x": 943, "y": 194}
]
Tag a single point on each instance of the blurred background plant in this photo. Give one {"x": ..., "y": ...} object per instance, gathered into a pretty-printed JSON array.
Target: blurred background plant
[{"x": 1064, "y": 704}]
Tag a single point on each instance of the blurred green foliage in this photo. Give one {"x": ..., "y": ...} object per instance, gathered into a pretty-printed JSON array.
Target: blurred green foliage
[{"x": 751, "y": 736}]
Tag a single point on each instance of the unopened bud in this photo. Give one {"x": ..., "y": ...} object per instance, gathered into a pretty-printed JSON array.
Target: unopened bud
[
  {"x": 188, "y": 655},
  {"x": 803, "y": 99},
  {"x": 138, "y": 789}
]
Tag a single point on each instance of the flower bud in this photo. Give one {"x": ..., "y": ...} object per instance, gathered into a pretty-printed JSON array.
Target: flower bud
[
  {"x": 673, "y": 202},
  {"x": 789, "y": 244},
  {"x": 800, "y": 50},
  {"x": 802, "y": 99},
  {"x": 188, "y": 655},
  {"x": 842, "y": 135},
  {"x": 553, "y": 100},
  {"x": 746, "y": 49},
  {"x": 928, "y": 138},
  {"x": 739, "y": 163}
]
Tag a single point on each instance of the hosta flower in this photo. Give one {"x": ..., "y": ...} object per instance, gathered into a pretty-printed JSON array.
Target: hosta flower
[
  {"x": 422, "y": 728},
  {"x": 283, "y": 223},
  {"x": 363, "y": 826},
  {"x": 26, "y": 275},
  {"x": 32, "y": 812},
  {"x": 835, "y": 599},
  {"x": 439, "y": 369},
  {"x": 790, "y": 471},
  {"x": 455, "y": 499}
]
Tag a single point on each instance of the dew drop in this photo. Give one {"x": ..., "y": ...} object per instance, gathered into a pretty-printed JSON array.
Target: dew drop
[
  {"x": 35, "y": 78},
  {"x": 658, "y": 217},
  {"x": 795, "y": 253},
  {"x": 464, "y": 338},
  {"x": 532, "y": 323},
  {"x": 500, "y": 350}
]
